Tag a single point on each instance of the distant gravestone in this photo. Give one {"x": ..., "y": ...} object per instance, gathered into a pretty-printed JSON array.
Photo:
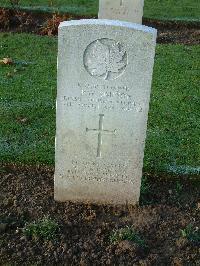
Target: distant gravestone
[
  {"x": 126, "y": 10},
  {"x": 104, "y": 82}
]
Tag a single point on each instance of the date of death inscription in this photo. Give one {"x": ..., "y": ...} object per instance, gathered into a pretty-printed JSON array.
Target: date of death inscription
[{"x": 102, "y": 97}]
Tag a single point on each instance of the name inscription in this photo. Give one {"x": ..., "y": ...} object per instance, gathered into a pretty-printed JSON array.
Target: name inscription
[{"x": 103, "y": 97}]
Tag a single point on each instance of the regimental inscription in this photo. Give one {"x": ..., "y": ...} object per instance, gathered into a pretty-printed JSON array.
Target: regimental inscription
[
  {"x": 100, "y": 132},
  {"x": 105, "y": 59},
  {"x": 103, "y": 98}
]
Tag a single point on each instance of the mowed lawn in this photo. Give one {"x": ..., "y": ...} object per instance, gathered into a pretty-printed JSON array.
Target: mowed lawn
[
  {"x": 28, "y": 93},
  {"x": 187, "y": 10}
]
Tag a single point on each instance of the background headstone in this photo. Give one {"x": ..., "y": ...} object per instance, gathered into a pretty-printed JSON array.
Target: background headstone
[
  {"x": 126, "y": 10},
  {"x": 104, "y": 82}
]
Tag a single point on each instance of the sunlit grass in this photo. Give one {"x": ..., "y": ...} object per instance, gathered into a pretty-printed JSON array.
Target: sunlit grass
[{"x": 27, "y": 104}]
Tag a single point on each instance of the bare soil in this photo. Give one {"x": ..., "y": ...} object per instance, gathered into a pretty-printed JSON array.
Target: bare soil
[
  {"x": 166, "y": 207},
  {"x": 47, "y": 24}
]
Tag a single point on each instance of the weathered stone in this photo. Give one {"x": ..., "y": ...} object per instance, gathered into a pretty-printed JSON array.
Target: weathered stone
[
  {"x": 126, "y": 10},
  {"x": 104, "y": 82}
]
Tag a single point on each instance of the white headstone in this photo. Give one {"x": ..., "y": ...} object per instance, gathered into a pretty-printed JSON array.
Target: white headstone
[
  {"x": 126, "y": 10},
  {"x": 104, "y": 82}
]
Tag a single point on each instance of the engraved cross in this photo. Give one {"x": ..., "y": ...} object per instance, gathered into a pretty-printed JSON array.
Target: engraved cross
[{"x": 100, "y": 131}]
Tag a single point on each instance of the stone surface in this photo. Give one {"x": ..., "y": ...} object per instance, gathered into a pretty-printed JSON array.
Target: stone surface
[
  {"x": 126, "y": 10},
  {"x": 104, "y": 82}
]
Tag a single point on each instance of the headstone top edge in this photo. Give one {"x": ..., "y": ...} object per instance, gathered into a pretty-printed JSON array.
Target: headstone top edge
[{"x": 107, "y": 22}]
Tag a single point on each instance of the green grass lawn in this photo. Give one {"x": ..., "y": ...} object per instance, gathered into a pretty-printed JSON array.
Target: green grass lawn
[
  {"x": 187, "y": 10},
  {"x": 27, "y": 104}
]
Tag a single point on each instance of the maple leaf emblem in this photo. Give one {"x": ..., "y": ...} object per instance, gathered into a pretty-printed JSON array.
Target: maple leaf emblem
[{"x": 105, "y": 59}]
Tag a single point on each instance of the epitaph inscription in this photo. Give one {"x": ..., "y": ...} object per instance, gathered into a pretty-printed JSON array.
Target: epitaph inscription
[
  {"x": 105, "y": 59},
  {"x": 99, "y": 171}
]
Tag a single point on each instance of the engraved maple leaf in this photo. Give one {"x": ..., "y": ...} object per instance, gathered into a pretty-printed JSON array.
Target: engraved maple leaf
[
  {"x": 116, "y": 58},
  {"x": 105, "y": 59}
]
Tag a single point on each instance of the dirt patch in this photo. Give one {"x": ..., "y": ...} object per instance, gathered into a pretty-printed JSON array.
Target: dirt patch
[
  {"x": 175, "y": 32},
  {"x": 167, "y": 206},
  {"x": 47, "y": 24}
]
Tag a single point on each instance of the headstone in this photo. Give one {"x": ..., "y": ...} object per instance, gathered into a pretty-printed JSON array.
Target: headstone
[
  {"x": 104, "y": 82},
  {"x": 126, "y": 10}
]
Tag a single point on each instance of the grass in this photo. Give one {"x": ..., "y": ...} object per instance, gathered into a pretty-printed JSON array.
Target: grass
[
  {"x": 174, "y": 120},
  {"x": 186, "y": 10},
  {"x": 145, "y": 191},
  {"x": 45, "y": 229},
  {"x": 192, "y": 234},
  {"x": 127, "y": 233},
  {"x": 27, "y": 104},
  {"x": 28, "y": 95},
  {"x": 145, "y": 186}
]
